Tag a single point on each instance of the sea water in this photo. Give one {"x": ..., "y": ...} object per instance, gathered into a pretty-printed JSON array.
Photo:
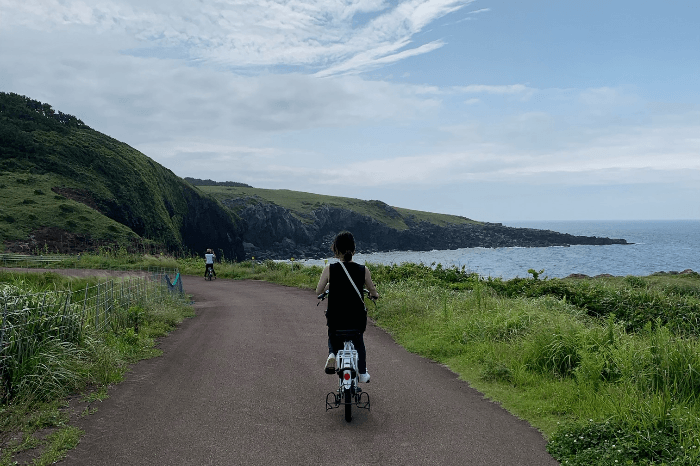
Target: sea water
[{"x": 659, "y": 246}]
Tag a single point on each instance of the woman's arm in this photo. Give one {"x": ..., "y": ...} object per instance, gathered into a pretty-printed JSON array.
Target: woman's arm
[
  {"x": 370, "y": 285},
  {"x": 323, "y": 281}
]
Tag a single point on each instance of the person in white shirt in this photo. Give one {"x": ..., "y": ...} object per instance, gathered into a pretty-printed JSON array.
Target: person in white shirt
[{"x": 209, "y": 258}]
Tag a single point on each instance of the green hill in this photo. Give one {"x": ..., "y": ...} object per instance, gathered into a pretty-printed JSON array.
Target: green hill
[
  {"x": 66, "y": 187},
  {"x": 302, "y": 204}
]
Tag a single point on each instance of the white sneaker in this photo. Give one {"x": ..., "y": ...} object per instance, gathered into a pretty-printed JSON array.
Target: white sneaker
[
  {"x": 364, "y": 378},
  {"x": 330, "y": 364}
]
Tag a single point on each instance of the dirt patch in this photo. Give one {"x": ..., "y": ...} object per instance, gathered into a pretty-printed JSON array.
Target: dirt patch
[
  {"x": 52, "y": 240},
  {"x": 76, "y": 407},
  {"x": 79, "y": 195}
]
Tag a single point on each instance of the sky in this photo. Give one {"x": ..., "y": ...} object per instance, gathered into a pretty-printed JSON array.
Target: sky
[{"x": 496, "y": 110}]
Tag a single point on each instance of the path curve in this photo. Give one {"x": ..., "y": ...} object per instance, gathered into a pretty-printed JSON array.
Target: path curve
[{"x": 242, "y": 383}]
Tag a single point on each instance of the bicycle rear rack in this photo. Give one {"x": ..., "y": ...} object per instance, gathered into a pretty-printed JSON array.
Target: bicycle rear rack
[{"x": 359, "y": 399}]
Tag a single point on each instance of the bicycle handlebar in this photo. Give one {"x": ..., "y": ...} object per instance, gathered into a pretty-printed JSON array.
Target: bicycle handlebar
[{"x": 324, "y": 295}]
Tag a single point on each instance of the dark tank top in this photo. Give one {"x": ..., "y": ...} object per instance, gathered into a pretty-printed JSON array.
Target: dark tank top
[{"x": 346, "y": 311}]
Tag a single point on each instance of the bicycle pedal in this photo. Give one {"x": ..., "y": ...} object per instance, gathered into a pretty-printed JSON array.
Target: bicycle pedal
[{"x": 330, "y": 370}]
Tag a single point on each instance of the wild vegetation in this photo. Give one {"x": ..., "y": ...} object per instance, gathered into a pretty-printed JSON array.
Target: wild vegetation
[
  {"x": 54, "y": 346},
  {"x": 604, "y": 388}
]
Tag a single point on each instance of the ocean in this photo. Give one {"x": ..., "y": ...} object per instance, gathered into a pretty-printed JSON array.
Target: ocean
[{"x": 659, "y": 246}]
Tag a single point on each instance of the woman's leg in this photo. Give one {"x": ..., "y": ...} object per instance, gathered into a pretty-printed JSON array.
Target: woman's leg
[
  {"x": 330, "y": 344},
  {"x": 359, "y": 343}
]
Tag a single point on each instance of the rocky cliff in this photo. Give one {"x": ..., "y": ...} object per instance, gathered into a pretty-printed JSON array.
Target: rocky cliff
[{"x": 273, "y": 232}]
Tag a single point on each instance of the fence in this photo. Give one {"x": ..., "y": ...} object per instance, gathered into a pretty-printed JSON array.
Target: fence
[
  {"x": 23, "y": 260},
  {"x": 29, "y": 321}
]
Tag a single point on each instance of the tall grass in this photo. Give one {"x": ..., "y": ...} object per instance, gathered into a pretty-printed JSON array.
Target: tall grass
[
  {"x": 52, "y": 347},
  {"x": 602, "y": 390}
]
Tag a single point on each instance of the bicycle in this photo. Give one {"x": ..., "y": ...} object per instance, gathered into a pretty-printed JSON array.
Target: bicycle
[
  {"x": 210, "y": 273},
  {"x": 349, "y": 392}
]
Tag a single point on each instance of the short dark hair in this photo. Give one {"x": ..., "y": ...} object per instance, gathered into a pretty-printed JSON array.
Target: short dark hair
[{"x": 344, "y": 245}]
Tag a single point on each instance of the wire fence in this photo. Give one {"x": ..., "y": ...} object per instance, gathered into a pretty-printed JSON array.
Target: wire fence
[
  {"x": 31, "y": 321},
  {"x": 65, "y": 261}
]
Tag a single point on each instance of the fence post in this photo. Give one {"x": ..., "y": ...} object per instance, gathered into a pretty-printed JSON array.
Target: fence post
[
  {"x": 2, "y": 329},
  {"x": 97, "y": 308},
  {"x": 111, "y": 302},
  {"x": 2, "y": 349},
  {"x": 2, "y": 336}
]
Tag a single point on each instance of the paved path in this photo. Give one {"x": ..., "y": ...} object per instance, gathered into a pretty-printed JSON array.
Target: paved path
[{"x": 242, "y": 383}]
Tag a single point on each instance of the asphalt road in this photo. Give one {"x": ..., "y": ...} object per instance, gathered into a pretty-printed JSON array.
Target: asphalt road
[{"x": 242, "y": 383}]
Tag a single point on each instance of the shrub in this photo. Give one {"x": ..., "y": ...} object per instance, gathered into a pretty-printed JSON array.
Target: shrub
[
  {"x": 612, "y": 442},
  {"x": 553, "y": 351}
]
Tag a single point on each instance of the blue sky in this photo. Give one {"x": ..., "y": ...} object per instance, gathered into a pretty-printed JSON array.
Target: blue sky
[{"x": 497, "y": 110}]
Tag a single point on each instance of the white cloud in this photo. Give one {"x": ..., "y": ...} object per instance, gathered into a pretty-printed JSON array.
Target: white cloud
[
  {"x": 373, "y": 58},
  {"x": 245, "y": 33},
  {"x": 487, "y": 89},
  {"x": 635, "y": 155},
  {"x": 141, "y": 99}
]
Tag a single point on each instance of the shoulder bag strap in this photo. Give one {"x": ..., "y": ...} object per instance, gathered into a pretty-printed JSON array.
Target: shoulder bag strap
[{"x": 353, "y": 283}]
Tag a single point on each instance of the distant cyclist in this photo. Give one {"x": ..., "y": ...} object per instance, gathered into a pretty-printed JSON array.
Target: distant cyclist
[
  {"x": 209, "y": 258},
  {"x": 346, "y": 307}
]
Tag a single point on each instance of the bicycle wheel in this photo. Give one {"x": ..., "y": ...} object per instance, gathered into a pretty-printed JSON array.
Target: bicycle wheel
[{"x": 348, "y": 405}]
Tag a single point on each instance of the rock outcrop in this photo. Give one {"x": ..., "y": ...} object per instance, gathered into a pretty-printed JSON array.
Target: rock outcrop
[{"x": 273, "y": 232}]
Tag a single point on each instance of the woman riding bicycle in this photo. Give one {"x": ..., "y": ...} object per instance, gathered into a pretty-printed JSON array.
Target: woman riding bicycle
[
  {"x": 346, "y": 307},
  {"x": 209, "y": 258}
]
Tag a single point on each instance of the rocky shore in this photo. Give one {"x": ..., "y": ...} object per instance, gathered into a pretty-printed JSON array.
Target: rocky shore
[
  {"x": 661, "y": 273},
  {"x": 273, "y": 232}
]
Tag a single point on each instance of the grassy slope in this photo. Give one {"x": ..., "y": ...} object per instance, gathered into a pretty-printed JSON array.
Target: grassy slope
[
  {"x": 28, "y": 204},
  {"x": 122, "y": 181},
  {"x": 301, "y": 205},
  {"x": 131, "y": 190}
]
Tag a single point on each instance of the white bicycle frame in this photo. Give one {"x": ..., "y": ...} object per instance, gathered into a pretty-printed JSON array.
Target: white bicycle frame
[{"x": 347, "y": 363}]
